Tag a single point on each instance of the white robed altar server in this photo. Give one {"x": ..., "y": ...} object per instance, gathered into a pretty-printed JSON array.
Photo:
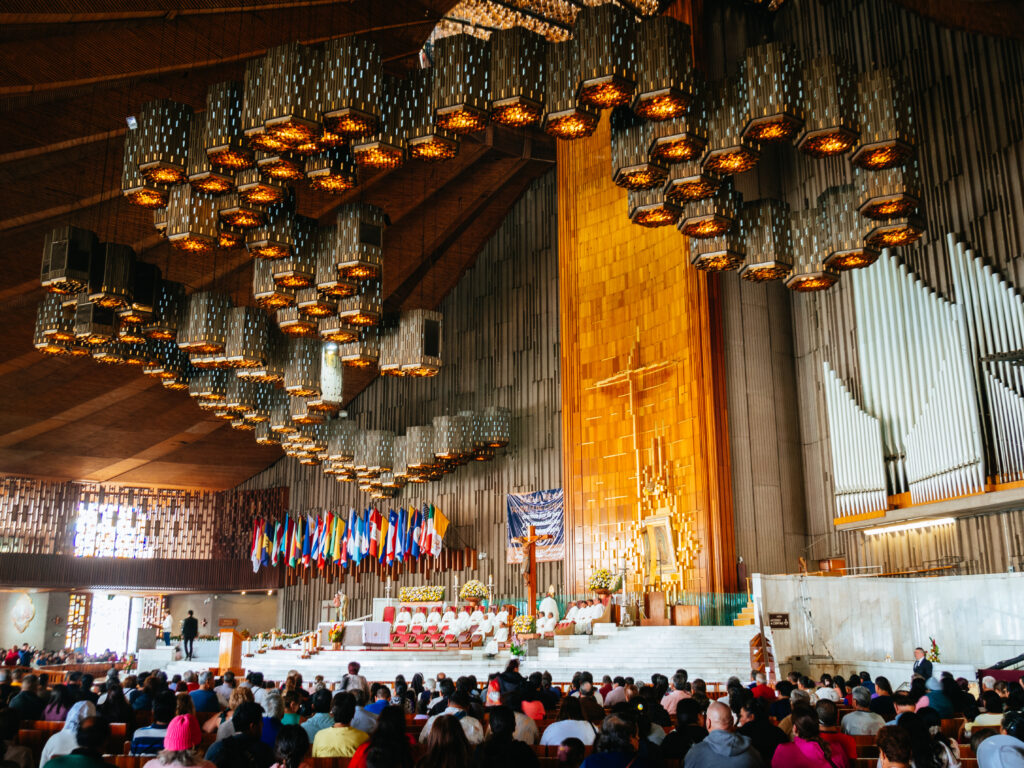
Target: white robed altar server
[
  {"x": 548, "y": 604},
  {"x": 501, "y": 626}
]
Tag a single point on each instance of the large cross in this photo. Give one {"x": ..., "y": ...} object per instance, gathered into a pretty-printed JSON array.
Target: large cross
[
  {"x": 631, "y": 376},
  {"x": 529, "y": 546}
]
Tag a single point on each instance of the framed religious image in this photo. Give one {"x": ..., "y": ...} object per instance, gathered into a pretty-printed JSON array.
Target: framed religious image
[{"x": 659, "y": 547}]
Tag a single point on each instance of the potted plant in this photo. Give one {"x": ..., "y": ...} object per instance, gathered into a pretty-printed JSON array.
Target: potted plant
[
  {"x": 603, "y": 582},
  {"x": 473, "y": 591},
  {"x": 335, "y": 635},
  {"x": 517, "y": 650}
]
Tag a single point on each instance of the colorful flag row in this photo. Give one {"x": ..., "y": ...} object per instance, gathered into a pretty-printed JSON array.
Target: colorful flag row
[{"x": 309, "y": 540}]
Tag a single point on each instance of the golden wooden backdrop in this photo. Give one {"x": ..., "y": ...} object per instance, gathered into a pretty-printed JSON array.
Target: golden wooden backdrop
[{"x": 630, "y": 301}]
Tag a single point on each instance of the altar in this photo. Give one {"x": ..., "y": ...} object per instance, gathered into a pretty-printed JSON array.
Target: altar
[{"x": 355, "y": 634}]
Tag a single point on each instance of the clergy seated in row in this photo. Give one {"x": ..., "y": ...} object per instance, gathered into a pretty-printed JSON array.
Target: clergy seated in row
[
  {"x": 546, "y": 624},
  {"x": 403, "y": 620},
  {"x": 434, "y": 620},
  {"x": 581, "y": 616},
  {"x": 418, "y": 625}
]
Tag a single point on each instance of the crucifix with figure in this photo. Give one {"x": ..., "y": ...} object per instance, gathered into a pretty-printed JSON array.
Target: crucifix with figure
[{"x": 528, "y": 543}]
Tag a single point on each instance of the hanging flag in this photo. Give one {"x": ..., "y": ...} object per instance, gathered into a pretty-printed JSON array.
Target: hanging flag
[
  {"x": 400, "y": 540},
  {"x": 439, "y": 525},
  {"x": 257, "y": 540},
  {"x": 392, "y": 534},
  {"x": 282, "y": 545},
  {"x": 267, "y": 544},
  {"x": 275, "y": 543},
  {"x": 339, "y": 539},
  {"x": 382, "y": 547},
  {"x": 374, "y": 533},
  {"x": 294, "y": 540},
  {"x": 326, "y": 542},
  {"x": 364, "y": 533},
  {"x": 415, "y": 533},
  {"x": 343, "y": 540},
  {"x": 307, "y": 541},
  {"x": 428, "y": 527}
]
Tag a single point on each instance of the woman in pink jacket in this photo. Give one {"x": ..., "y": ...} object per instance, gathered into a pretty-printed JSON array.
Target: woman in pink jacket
[{"x": 807, "y": 749}]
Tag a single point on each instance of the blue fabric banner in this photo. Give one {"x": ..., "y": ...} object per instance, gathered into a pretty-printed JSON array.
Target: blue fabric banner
[{"x": 545, "y": 510}]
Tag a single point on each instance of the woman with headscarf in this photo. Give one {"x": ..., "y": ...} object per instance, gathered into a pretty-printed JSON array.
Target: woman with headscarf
[
  {"x": 65, "y": 741},
  {"x": 180, "y": 742}
]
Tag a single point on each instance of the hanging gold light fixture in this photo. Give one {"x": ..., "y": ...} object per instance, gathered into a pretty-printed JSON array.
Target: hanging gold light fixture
[
  {"x": 566, "y": 117},
  {"x": 333, "y": 328},
  {"x": 664, "y": 68},
  {"x": 54, "y": 330},
  {"x": 292, "y": 112},
  {"x": 843, "y": 230},
  {"x": 420, "y": 451},
  {"x": 202, "y": 174},
  {"x": 178, "y": 375},
  {"x": 632, "y": 167},
  {"x": 390, "y": 362},
  {"x": 143, "y": 296},
  {"x": 419, "y": 344},
  {"x": 689, "y": 181},
  {"x": 295, "y": 324},
  {"x": 332, "y": 171},
  {"x": 341, "y": 440},
  {"x": 209, "y": 388},
  {"x": 516, "y": 77},
  {"x": 683, "y": 138},
  {"x": 274, "y": 359},
  {"x": 234, "y": 211},
  {"x": 886, "y": 126},
  {"x": 362, "y": 352},
  {"x": 426, "y": 140},
  {"x": 129, "y": 333},
  {"x": 169, "y": 304},
  {"x": 223, "y": 138},
  {"x": 255, "y": 100},
  {"x": 93, "y": 324},
  {"x": 276, "y": 238},
  {"x": 711, "y": 216},
  {"x": 311, "y": 303},
  {"x": 385, "y": 148},
  {"x": 364, "y": 307},
  {"x": 255, "y": 401},
  {"x": 136, "y": 188},
  {"x": 192, "y": 220},
  {"x": 297, "y": 268},
  {"x": 281, "y": 414},
  {"x": 889, "y": 193},
  {"x": 328, "y": 282},
  {"x": 162, "y": 360},
  {"x": 163, "y": 145},
  {"x": 256, "y": 189},
  {"x": 649, "y": 208},
  {"x": 895, "y": 232},
  {"x": 68, "y": 253},
  {"x": 830, "y": 117},
  {"x": 359, "y": 248},
  {"x": 351, "y": 86},
  {"x": 110, "y": 276},
  {"x": 728, "y": 150},
  {"x": 607, "y": 55},
  {"x": 265, "y": 291},
  {"x": 769, "y": 242},
  {"x": 774, "y": 93},
  {"x": 810, "y": 271},
  {"x": 229, "y": 237},
  {"x": 247, "y": 338},
  {"x": 494, "y": 429},
  {"x": 284, "y": 165},
  {"x": 314, "y": 371},
  {"x": 160, "y": 222},
  {"x": 720, "y": 253},
  {"x": 204, "y": 329},
  {"x": 460, "y": 87},
  {"x": 264, "y": 435}
]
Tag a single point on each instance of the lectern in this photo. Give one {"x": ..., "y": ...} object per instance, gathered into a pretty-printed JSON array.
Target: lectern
[
  {"x": 230, "y": 651},
  {"x": 654, "y": 604}
]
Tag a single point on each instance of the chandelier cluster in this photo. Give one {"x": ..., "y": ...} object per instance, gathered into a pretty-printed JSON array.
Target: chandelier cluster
[{"x": 677, "y": 158}]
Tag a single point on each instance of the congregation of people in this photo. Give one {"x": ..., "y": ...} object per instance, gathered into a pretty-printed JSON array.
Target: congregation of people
[{"x": 509, "y": 720}]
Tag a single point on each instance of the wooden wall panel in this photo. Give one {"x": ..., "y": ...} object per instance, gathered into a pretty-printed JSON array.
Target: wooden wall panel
[
  {"x": 625, "y": 287},
  {"x": 500, "y": 347}
]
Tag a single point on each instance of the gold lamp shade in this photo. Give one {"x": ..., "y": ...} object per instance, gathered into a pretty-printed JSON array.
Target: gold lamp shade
[
  {"x": 711, "y": 216},
  {"x": 110, "y": 276},
  {"x": 419, "y": 343},
  {"x": 728, "y": 150},
  {"x": 333, "y": 328},
  {"x": 332, "y": 171},
  {"x": 810, "y": 270},
  {"x": 567, "y": 118},
  {"x": 328, "y": 281},
  {"x": 895, "y": 232},
  {"x": 192, "y": 223},
  {"x": 93, "y": 324},
  {"x": 135, "y": 186},
  {"x": 426, "y": 140},
  {"x": 385, "y": 147},
  {"x": 54, "y": 331},
  {"x": 769, "y": 242},
  {"x": 265, "y": 291},
  {"x": 295, "y": 324},
  {"x": 203, "y": 175},
  {"x": 517, "y": 77},
  {"x": 607, "y": 55},
  {"x": 169, "y": 306},
  {"x": 363, "y": 352},
  {"x": 359, "y": 243},
  {"x": 843, "y": 230},
  {"x": 247, "y": 338},
  {"x": 664, "y": 68},
  {"x": 235, "y": 211},
  {"x": 351, "y": 86},
  {"x": 721, "y": 253},
  {"x": 683, "y": 138},
  {"x": 276, "y": 238},
  {"x": 68, "y": 253},
  {"x": 257, "y": 189},
  {"x": 204, "y": 327},
  {"x": 460, "y": 88},
  {"x": 292, "y": 112},
  {"x": 649, "y": 208},
  {"x": 165, "y": 127},
  {"x": 284, "y": 165},
  {"x": 297, "y": 268},
  {"x": 223, "y": 139},
  {"x": 886, "y": 126},
  {"x": 311, "y": 303},
  {"x": 688, "y": 181},
  {"x": 774, "y": 93},
  {"x": 632, "y": 167},
  {"x": 830, "y": 118},
  {"x": 889, "y": 193},
  {"x": 144, "y": 294},
  {"x": 275, "y": 358},
  {"x": 363, "y": 308}
]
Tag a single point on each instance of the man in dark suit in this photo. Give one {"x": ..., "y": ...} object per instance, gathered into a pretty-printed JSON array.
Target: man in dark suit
[
  {"x": 922, "y": 666},
  {"x": 189, "y": 632}
]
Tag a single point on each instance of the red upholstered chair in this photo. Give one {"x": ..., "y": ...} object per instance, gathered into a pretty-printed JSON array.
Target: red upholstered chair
[{"x": 389, "y": 615}]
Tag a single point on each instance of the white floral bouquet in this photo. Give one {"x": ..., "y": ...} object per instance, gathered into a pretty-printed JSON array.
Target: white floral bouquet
[
  {"x": 602, "y": 578},
  {"x": 427, "y": 594},
  {"x": 524, "y": 625},
  {"x": 474, "y": 588}
]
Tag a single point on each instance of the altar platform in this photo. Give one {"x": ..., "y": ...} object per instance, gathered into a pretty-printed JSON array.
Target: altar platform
[{"x": 712, "y": 653}]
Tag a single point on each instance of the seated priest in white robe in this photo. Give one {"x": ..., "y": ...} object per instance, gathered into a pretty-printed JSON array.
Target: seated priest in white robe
[
  {"x": 448, "y": 621},
  {"x": 462, "y": 623},
  {"x": 434, "y": 619},
  {"x": 501, "y": 626},
  {"x": 548, "y": 604},
  {"x": 572, "y": 613},
  {"x": 476, "y": 616},
  {"x": 403, "y": 619},
  {"x": 546, "y": 624},
  {"x": 419, "y": 620},
  {"x": 484, "y": 627},
  {"x": 583, "y": 624}
]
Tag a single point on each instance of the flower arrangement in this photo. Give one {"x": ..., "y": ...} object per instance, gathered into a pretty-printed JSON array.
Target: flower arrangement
[
  {"x": 524, "y": 625},
  {"x": 245, "y": 634},
  {"x": 602, "y": 578},
  {"x": 474, "y": 588},
  {"x": 427, "y": 594},
  {"x": 517, "y": 650},
  {"x": 933, "y": 651},
  {"x": 337, "y": 633}
]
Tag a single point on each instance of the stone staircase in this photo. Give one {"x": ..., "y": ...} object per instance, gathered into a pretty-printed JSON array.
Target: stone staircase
[{"x": 712, "y": 653}]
